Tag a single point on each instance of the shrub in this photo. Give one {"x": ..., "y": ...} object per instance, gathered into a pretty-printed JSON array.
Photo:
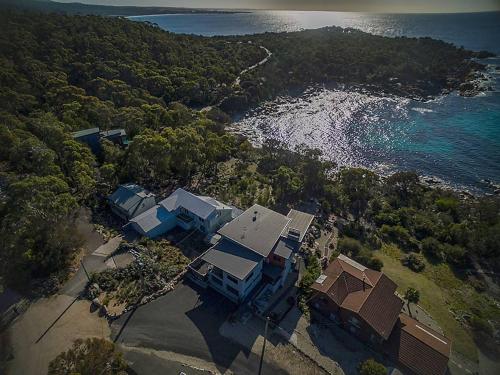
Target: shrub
[
  {"x": 414, "y": 262},
  {"x": 89, "y": 357},
  {"x": 376, "y": 264},
  {"x": 454, "y": 254},
  {"x": 481, "y": 325},
  {"x": 432, "y": 248},
  {"x": 372, "y": 367},
  {"x": 400, "y": 236},
  {"x": 349, "y": 246}
]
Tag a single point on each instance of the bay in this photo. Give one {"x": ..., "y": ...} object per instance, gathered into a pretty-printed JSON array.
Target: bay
[{"x": 453, "y": 139}]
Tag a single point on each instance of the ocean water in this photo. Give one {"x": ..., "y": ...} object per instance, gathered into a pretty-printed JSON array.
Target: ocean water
[{"x": 453, "y": 139}]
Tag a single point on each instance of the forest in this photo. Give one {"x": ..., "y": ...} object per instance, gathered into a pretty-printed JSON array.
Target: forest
[{"x": 61, "y": 73}]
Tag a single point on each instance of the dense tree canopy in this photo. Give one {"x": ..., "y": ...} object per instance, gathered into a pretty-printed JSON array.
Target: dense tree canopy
[{"x": 59, "y": 74}]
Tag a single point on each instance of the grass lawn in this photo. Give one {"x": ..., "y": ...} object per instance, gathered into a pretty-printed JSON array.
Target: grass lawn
[{"x": 443, "y": 295}]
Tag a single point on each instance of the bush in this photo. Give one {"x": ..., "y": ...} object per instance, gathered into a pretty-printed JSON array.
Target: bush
[
  {"x": 349, "y": 246},
  {"x": 481, "y": 325},
  {"x": 372, "y": 367},
  {"x": 376, "y": 264},
  {"x": 400, "y": 236},
  {"x": 89, "y": 357},
  {"x": 414, "y": 261},
  {"x": 454, "y": 254},
  {"x": 432, "y": 247}
]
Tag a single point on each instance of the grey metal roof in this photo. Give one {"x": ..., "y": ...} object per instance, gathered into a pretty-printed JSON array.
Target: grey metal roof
[
  {"x": 232, "y": 258},
  {"x": 152, "y": 218},
  {"x": 258, "y": 229},
  {"x": 85, "y": 132},
  {"x": 200, "y": 206},
  {"x": 300, "y": 221},
  {"x": 285, "y": 247},
  {"x": 129, "y": 196},
  {"x": 112, "y": 132}
]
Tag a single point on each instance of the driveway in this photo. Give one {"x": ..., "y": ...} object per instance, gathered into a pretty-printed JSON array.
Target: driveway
[{"x": 186, "y": 322}]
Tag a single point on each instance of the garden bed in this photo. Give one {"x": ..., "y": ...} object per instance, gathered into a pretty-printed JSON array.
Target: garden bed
[{"x": 156, "y": 265}]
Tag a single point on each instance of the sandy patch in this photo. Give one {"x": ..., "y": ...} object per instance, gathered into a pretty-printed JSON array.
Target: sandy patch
[{"x": 32, "y": 357}]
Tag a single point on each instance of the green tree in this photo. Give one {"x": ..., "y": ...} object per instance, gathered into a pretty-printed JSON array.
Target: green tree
[
  {"x": 411, "y": 296},
  {"x": 372, "y": 367}
]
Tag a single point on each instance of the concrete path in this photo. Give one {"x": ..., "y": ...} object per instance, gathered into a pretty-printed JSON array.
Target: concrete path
[
  {"x": 50, "y": 325},
  {"x": 95, "y": 262}
]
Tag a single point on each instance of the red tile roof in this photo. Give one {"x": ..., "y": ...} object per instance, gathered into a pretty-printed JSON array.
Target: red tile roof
[
  {"x": 366, "y": 292},
  {"x": 420, "y": 349}
]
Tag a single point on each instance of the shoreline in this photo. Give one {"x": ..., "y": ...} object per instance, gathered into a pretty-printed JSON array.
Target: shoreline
[{"x": 483, "y": 187}]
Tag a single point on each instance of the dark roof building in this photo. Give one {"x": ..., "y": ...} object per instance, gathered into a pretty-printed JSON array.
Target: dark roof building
[
  {"x": 90, "y": 137},
  {"x": 257, "y": 229},
  {"x": 117, "y": 136},
  {"x": 93, "y": 136},
  {"x": 130, "y": 200}
]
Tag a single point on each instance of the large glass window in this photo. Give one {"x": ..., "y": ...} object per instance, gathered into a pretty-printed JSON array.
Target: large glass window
[
  {"x": 233, "y": 279},
  {"x": 216, "y": 280},
  {"x": 217, "y": 272},
  {"x": 230, "y": 289},
  {"x": 249, "y": 276}
]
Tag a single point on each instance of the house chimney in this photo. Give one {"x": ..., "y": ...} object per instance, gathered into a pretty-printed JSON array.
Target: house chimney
[{"x": 363, "y": 283}]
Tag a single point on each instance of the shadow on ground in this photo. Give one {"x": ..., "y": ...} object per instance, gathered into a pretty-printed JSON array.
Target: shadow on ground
[{"x": 187, "y": 321}]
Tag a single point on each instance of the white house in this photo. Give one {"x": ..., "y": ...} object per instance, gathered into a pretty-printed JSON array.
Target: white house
[
  {"x": 186, "y": 210},
  {"x": 257, "y": 246}
]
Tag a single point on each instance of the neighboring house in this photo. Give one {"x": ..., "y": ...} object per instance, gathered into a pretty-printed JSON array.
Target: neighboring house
[
  {"x": 131, "y": 200},
  {"x": 186, "y": 210},
  {"x": 92, "y": 137},
  {"x": 361, "y": 299},
  {"x": 256, "y": 246},
  {"x": 364, "y": 302},
  {"x": 117, "y": 136}
]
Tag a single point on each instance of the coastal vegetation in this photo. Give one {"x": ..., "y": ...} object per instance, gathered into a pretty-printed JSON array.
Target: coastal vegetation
[
  {"x": 89, "y": 357},
  {"x": 59, "y": 74}
]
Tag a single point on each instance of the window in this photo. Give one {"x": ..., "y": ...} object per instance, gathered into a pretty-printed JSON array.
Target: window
[
  {"x": 216, "y": 280},
  {"x": 217, "y": 272},
  {"x": 231, "y": 278},
  {"x": 230, "y": 289},
  {"x": 249, "y": 276}
]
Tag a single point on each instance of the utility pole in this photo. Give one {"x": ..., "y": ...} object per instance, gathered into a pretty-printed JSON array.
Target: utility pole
[{"x": 263, "y": 347}]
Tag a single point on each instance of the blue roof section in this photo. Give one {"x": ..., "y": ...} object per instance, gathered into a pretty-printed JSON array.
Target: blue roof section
[
  {"x": 129, "y": 196},
  {"x": 85, "y": 132},
  {"x": 152, "y": 218}
]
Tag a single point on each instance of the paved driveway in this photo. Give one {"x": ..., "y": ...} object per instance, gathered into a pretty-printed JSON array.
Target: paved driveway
[{"x": 187, "y": 321}]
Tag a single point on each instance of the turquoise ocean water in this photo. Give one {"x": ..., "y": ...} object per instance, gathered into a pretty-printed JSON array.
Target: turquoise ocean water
[{"x": 452, "y": 139}]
